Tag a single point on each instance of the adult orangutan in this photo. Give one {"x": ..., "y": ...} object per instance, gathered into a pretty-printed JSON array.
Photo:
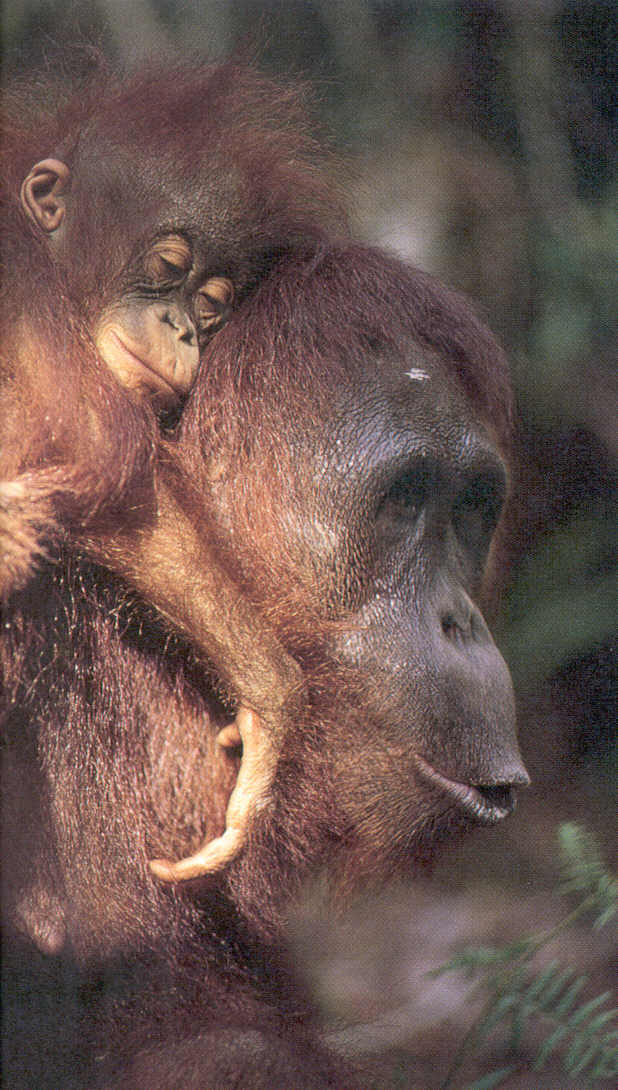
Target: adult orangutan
[{"x": 339, "y": 471}]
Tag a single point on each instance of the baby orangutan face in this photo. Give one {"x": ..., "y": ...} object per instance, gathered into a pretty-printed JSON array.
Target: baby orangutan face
[{"x": 150, "y": 337}]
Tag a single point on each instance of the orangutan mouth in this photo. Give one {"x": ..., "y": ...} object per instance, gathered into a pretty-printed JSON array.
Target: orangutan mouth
[{"x": 484, "y": 803}]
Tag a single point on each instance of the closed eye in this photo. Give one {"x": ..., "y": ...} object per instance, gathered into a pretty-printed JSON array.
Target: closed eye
[
  {"x": 213, "y": 303},
  {"x": 168, "y": 260}
]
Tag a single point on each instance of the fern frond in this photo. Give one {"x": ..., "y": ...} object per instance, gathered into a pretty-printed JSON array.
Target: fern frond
[
  {"x": 552, "y": 994},
  {"x": 474, "y": 959},
  {"x": 542, "y": 996},
  {"x": 585, "y": 872}
]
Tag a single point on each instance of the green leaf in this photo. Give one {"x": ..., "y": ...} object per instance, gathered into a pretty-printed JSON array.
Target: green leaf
[
  {"x": 606, "y": 916},
  {"x": 601, "y": 1019},
  {"x": 580, "y": 1015},
  {"x": 516, "y": 994},
  {"x": 473, "y": 959},
  {"x": 569, "y": 997},
  {"x": 606, "y": 1066},
  {"x": 537, "y": 987},
  {"x": 556, "y": 987},
  {"x": 491, "y": 1080},
  {"x": 585, "y": 1059},
  {"x": 576, "y": 1049},
  {"x": 549, "y": 1046},
  {"x": 496, "y": 1014}
]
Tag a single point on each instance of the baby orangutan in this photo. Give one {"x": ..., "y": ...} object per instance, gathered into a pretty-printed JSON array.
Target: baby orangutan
[{"x": 128, "y": 246}]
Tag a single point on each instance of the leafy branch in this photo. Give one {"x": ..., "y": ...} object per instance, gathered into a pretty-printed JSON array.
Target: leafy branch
[{"x": 585, "y": 1032}]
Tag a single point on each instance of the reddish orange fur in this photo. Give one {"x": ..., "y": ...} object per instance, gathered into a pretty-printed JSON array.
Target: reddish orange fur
[
  {"x": 109, "y": 719},
  {"x": 59, "y": 408}
]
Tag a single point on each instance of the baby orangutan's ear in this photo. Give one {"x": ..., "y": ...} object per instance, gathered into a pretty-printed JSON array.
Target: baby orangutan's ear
[
  {"x": 251, "y": 793},
  {"x": 42, "y": 194}
]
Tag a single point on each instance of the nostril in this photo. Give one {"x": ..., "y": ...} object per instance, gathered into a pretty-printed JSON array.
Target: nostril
[
  {"x": 458, "y": 627},
  {"x": 181, "y": 325},
  {"x": 465, "y": 627},
  {"x": 188, "y": 336},
  {"x": 450, "y": 627}
]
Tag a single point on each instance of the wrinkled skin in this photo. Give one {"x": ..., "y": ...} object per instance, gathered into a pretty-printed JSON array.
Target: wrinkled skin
[
  {"x": 153, "y": 347},
  {"x": 430, "y": 486},
  {"x": 397, "y": 493}
]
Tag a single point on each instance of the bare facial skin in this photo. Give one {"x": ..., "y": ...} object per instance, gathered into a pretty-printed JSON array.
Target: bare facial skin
[
  {"x": 152, "y": 347},
  {"x": 152, "y": 350}
]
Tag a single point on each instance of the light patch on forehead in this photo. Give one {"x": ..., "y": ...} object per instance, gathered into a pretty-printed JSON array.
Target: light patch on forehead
[{"x": 417, "y": 375}]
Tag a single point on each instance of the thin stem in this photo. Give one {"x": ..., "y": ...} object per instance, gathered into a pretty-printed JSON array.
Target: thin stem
[
  {"x": 502, "y": 980},
  {"x": 467, "y": 1045},
  {"x": 546, "y": 936}
]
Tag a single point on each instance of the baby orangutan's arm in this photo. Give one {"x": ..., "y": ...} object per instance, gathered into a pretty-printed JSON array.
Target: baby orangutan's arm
[{"x": 174, "y": 570}]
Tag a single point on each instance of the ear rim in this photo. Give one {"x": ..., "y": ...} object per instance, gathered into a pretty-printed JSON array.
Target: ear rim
[{"x": 42, "y": 194}]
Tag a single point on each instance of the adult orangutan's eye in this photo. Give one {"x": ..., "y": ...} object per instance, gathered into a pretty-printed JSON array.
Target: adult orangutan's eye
[
  {"x": 477, "y": 509},
  {"x": 408, "y": 493}
]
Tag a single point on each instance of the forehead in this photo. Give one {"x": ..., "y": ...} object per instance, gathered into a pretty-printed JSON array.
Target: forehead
[{"x": 402, "y": 402}]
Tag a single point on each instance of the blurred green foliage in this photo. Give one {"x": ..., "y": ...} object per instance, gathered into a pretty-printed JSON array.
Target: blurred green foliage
[{"x": 520, "y": 992}]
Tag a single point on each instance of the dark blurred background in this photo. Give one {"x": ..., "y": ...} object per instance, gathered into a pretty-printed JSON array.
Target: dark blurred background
[{"x": 480, "y": 138}]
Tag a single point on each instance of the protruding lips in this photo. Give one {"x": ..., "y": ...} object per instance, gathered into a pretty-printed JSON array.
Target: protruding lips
[
  {"x": 484, "y": 803},
  {"x": 158, "y": 376}
]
